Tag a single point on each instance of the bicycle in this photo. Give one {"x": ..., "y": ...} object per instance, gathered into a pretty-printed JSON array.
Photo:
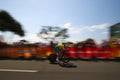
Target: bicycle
[
  {"x": 63, "y": 57},
  {"x": 64, "y": 60}
]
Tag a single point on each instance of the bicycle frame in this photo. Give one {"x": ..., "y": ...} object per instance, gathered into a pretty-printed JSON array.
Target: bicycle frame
[{"x": 64, "y": 57}]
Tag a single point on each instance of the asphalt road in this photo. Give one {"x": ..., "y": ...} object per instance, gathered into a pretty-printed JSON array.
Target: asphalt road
[{"x": 43, "y": 70}]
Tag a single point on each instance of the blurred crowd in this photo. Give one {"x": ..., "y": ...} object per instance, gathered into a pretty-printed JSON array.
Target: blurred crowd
[{"x": 87, "y": 43}]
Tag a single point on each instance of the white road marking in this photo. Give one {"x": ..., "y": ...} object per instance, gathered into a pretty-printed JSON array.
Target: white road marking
[{"x": 15, "y": 70}]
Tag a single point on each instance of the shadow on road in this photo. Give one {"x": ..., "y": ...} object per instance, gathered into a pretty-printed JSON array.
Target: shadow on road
[
  {"x": 80, "y": 59},
  {"x": 67, "y": 65}
]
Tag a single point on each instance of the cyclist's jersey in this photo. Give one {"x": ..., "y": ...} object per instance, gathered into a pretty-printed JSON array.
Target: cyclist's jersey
[{"x": 59, "y": 47}]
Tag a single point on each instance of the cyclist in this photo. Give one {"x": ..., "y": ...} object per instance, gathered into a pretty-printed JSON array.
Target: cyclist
[{"x": 58, "y": 50}]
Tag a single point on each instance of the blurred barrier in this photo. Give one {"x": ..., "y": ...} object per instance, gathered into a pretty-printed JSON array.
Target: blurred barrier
[
  {"x": 101, "y": 52},
  {"x": 49, "y": 51},
  {"x": 88, "y": 52},
  {"x": 41, "y": 52},
  {"x": 94, "y": 52},
  {"x": 80, "y": 52},
  {"x": 117, "y": 51},
  {"x": 3, "y": 52},
  {"x": 44, "y": 51},
  {"x": 73, "y": 52}
]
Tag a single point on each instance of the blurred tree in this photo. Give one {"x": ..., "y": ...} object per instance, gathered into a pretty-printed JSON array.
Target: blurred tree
[
  {"x": 89, "y": 40},
  {"x": 90, "y": 43},
  {"x": 51, "y": 33},
  {"x": 8, "y": 23}
]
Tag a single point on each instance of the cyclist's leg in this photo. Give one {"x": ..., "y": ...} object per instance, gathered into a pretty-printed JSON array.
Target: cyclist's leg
[
  {"x": 65, "y": 57},
  {"x": 57, "y": 58}
]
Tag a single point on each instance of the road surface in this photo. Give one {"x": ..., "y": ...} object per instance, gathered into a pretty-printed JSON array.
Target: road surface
[{"x": 43, "y": 70}]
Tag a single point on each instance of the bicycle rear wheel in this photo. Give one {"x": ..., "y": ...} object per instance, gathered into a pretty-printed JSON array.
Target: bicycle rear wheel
[{"x": 52, "y": 58}]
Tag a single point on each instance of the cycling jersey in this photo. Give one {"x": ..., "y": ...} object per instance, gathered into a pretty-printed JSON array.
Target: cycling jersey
[{"x": 59, "y": 47}]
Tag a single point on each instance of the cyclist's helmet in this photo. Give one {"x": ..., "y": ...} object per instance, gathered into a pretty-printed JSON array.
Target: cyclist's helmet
[{"x": 61, "y": 45}]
